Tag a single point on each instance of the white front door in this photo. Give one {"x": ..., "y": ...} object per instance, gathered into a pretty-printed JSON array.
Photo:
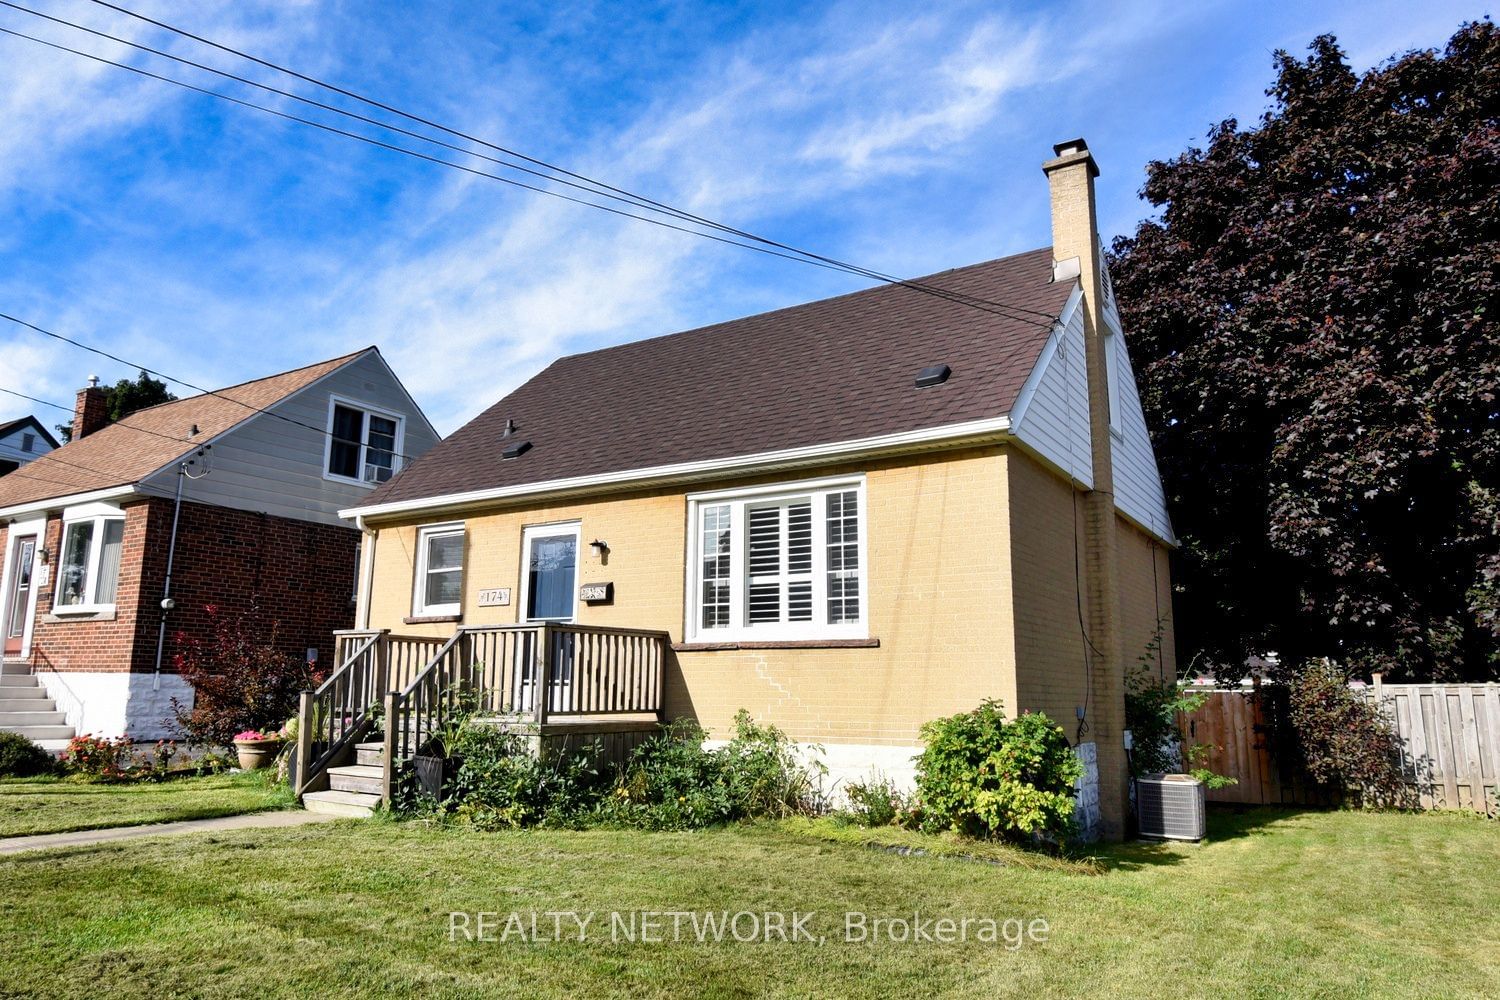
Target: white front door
[
  {"x": 22, "y": 576},
  {"x": 549, "y": 593}
]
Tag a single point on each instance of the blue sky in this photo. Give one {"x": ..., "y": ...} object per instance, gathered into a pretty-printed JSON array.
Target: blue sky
[{"x": 219, "y": 244}]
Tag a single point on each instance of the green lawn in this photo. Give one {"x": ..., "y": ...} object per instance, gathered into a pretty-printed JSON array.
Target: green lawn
[
  {"x": 1312, "y": 904},
  {"x": 53, "y": 805}
]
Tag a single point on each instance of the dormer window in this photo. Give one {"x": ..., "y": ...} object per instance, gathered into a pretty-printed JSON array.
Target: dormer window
[{"x": 364, "y": 443}]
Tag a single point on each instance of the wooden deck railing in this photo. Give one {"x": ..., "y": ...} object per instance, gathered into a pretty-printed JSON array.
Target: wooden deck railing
[
  {"x": 369, "y": 663},
  {"x": 332, "y": 715},
  {"x": 534, "y": 672}
]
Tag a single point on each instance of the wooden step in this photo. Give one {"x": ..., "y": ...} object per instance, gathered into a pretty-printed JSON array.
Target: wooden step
[
  {"x": 370, "y": 754},
  {"x": 356, "y": 778},
  {"x": 332, "y": 803}
]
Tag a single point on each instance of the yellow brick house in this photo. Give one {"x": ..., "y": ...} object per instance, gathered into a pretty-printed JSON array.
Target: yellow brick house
[{"x": 847, "y": 517}]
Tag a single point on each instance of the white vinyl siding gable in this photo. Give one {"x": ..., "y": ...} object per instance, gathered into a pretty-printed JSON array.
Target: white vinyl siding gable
[
  {"x": 1052, "y": 418},
  {"x": 779, "y": 563},
  {"x": 278, "y": 467}
]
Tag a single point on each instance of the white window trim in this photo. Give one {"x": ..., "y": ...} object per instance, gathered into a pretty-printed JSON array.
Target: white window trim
[
  {"x": 419, "y": 579},
  {"x": 1112, "y": 341},
  {"x": 554, "y": 530},
  {"x": 739, "y": 499},
  {"x": 17, "y": 529},
  {"x": 368, "y": 409},
  {"x": 86, "y": 515}
]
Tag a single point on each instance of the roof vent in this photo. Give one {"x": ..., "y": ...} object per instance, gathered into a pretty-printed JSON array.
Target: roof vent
[
  {"x": 516, "y": 450},
  {"x": 510, "y": 427},
  {"x": 933, "y": 375}
]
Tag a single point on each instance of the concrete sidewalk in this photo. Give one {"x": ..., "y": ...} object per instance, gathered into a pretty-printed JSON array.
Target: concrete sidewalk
[{"x": 83, "y": 838}]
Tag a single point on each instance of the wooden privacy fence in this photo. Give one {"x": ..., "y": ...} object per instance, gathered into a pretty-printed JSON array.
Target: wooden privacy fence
[{"x": 1450, "y": 744}]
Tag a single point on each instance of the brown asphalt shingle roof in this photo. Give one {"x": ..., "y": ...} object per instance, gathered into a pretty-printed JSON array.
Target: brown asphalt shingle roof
[
  {"x": 130, "y": 450},
  {"x": 834, "y": 370}
]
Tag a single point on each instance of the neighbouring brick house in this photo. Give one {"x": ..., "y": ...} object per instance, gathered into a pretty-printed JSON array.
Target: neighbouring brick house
[
  {"x": 86, "y": 533},
  {"x": 848, "y": 517}
]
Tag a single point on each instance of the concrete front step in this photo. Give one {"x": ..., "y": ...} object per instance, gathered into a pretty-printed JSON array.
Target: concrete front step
[
  {"x": 41, "y": 733},
  {"x": 14, "y": 667},
  {"x": 356, "y": 778},
  {"x": 19, "y": 681},
  {"x": 369, "y": 754},
  {"x": 29, "y": 695},
  {"x": 338, "y": 803},
  {"x": 53, "y": 718}
]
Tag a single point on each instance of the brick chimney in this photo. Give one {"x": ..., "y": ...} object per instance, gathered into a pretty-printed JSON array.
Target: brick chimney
[
  {"x": 90, "y": 410},
  {"x": 1076, "y": 255}
]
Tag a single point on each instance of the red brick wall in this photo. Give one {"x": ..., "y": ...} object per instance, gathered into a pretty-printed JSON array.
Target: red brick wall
[
  {"x": 300, "y": 576},
  {"x": 75, "y": 644}
]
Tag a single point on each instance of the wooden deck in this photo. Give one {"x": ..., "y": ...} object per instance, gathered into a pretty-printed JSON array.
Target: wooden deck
[{"x": 558, "y": 686}]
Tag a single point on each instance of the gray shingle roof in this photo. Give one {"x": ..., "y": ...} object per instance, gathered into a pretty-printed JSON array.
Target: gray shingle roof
[{"x": 839, "y": 369}]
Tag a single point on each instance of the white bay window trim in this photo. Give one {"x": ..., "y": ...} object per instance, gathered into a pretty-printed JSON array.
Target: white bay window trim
[
  {"x": 99, "y": 573},
  {"x": 730, "y": 620},
  {"x": 424, "y": 569}
]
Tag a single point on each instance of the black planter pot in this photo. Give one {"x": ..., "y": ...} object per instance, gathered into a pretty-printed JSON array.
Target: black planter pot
[{"x": 435, "y": 775}]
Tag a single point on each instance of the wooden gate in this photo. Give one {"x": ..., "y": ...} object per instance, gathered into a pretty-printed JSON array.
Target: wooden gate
[
  {"x": 1231, "y": 723},
  {"x": 1450, "y": 744}
]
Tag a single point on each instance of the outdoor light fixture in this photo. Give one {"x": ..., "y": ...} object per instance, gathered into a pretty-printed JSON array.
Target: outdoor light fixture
[{"x": 599, "y": 546}]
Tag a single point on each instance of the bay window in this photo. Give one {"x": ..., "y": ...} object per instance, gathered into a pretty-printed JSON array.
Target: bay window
[
  {"x": 774, "y": 563},
  {"x": 88, "y": 571}
]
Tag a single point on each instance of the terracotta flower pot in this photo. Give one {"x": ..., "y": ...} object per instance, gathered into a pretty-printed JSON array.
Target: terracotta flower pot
[{"x": 256, "y": 754}]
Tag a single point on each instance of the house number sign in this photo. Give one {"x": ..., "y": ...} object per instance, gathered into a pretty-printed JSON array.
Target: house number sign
[
  {"x": 495, "y": 597},
  {"x": 592, "y": 593}
]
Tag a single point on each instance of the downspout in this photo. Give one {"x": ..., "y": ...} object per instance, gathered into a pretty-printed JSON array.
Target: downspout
[{"x": 367, "y": 570}]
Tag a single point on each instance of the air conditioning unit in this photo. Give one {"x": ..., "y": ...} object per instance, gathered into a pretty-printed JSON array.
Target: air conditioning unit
[{"x": 1170, "y": 806}]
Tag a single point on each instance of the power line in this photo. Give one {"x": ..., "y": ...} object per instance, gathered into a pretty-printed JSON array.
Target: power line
[
  {"x": 218, "y": 394},
  {"x": 398, "y": 149},
  {"x": 767, "y": 246},
  {"x": 118, "y": 423},
  {"x": 598, "y": 185}
]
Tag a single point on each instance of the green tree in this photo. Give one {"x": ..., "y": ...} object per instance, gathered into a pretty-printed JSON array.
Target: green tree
[
  {"x": 126, "y": 397},
  {"x": 1312, "y": 317},
  {"x": 129, "y": 395}
]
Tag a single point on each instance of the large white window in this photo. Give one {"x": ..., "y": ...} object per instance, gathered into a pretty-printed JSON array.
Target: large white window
[
  {"x": 88, "y": 569},
  {"x": 784, "y": 562},
  {"x": 440, "y": 571},
  {"x": 364, "y": 444}
]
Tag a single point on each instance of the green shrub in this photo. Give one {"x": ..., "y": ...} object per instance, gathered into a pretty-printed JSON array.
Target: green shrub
[
  {"x": 985, "y": 777},
  {"x": 670, "y": 783},
  {"x": 1342, "y": 741},
  {"x": 876, "y": 802},
  {"x": 21, "y": 758},
  {"x": 500, "y": 785},
  {"x": 673, "y": 783}
]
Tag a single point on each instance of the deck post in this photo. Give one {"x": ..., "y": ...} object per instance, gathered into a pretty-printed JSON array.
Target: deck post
[
  {"x": 544, "y": 675},
  {"x": 382, "y": 662},
  {"x": 388, "y": 757},
  {"x": 304, "y": 740}
]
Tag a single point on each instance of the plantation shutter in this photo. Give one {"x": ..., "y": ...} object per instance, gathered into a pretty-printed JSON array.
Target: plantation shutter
[{"x": 779, "y": 563}]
